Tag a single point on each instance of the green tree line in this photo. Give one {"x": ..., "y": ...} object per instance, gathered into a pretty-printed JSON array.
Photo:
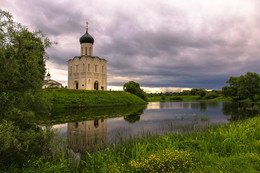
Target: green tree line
[{"x": 243, "y": 87}]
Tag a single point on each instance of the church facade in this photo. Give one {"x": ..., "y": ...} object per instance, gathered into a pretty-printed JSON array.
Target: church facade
[{"x": 86, "y": 71}]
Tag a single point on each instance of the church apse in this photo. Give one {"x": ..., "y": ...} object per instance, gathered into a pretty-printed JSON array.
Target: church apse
[{"x": 87, "y": 135}]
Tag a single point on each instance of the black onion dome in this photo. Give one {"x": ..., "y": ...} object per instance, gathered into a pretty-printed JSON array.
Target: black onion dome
[{"x": 86, "y": 38}]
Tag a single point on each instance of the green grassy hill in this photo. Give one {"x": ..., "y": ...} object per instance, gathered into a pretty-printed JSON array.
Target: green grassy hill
[{"x": 86, "y": 98}]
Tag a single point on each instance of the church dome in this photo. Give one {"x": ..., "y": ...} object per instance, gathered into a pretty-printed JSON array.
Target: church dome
[{"x": 86, "y": 38}]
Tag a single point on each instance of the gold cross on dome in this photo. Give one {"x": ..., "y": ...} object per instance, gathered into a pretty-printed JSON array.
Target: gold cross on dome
[{"x": 87, "y": 25}]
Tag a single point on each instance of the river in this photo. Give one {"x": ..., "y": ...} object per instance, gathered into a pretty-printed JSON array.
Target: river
[{"x": 85, "y": 130}]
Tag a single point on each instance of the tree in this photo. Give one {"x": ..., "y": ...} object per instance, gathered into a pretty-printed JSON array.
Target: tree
[
  {"x": 193, "y": 91},
  {"x": 201, "y": 92},
  {"x": 245, "y": 86},
  {"x": 249, "y": 85},
  {"x": 22, "y": 64},
  {"x": 185, "y": 92},
  {"x": 232, "y": 90},
  {"x": 134, "y": 88}
]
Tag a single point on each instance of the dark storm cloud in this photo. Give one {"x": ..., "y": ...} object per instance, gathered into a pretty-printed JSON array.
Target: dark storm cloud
[{"x": 158, "y": 44}]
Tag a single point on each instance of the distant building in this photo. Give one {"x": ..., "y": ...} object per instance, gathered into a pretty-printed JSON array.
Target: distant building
[
  {"x": 49, "y": 83},
  {"x": 87, "y": 72}
]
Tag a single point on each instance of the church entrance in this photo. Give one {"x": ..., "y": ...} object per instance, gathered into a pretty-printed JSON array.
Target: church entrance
[
  {"x": 96, "y": 85},
  {"x": 76, "y": 85}
]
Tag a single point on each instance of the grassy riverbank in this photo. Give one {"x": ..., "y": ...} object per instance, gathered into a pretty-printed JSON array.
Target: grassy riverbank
[
  {"x": 65, "y": 98},
  {"x": 228, "y": 148}
]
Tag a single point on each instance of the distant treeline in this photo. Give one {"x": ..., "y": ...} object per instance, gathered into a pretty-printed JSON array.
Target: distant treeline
[{"x": 240, "y": 88}]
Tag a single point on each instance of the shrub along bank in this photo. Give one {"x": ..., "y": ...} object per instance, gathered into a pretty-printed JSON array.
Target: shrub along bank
[{"x": 86, "y": 98}]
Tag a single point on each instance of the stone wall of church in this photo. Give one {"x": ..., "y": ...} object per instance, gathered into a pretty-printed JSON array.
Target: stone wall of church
[{"x": 84, "y": 72}]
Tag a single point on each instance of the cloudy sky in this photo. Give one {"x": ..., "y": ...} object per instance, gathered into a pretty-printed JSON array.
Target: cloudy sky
[{"x": 160, "y": 44}]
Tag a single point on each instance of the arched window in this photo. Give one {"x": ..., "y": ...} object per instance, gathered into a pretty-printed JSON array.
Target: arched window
[
  {"x": 96, "y": 68},
  {"x": 90, "y": 51},
  {"x": 86, "y": 51},
  {"x": 96, "y": 123},
  {"x": 102, "y": 69},
  {"x": 77, "y": 68},
  {"x": 96, "y": 85}
]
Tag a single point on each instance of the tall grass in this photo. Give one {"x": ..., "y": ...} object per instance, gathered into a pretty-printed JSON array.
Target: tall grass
[{"x": 227, "y": 148}]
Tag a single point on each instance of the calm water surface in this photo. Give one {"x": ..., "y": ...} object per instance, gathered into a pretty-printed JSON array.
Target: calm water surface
[{"x": 156, "y": 118}]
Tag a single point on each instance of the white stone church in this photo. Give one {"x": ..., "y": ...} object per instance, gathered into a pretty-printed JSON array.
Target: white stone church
[{"x": 87, "y": 72}]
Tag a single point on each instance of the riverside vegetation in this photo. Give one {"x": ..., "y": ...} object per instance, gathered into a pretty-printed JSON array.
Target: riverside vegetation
[
  {"x": 228, "y": 148},
  {"x": 25, "y": 147}
]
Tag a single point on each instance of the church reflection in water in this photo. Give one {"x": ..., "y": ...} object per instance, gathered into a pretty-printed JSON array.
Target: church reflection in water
[{"x": 87, "y": 135}]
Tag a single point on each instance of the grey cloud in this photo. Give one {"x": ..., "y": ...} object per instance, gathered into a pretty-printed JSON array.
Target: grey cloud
[{"x": 154, "y": 43}]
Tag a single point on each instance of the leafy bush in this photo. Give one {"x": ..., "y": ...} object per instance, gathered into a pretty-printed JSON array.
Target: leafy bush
[
  {"x": 18, "y": 146},
  {"x": 163, "y": 97},
  {"x": 211, "y": 95},
  {"x": 257, "y": 97}
]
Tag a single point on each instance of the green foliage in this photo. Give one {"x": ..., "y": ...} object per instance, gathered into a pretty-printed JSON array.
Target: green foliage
[
  {"x": 130, "y": 113},
  {"x": 89, "y": 98},
  {"x": 240, "y": 110},
  {"x": 176, "y": 98},
  {"x": 22, "y": 64},
  {"x": 211, "y": 95},
  {"x": 185, "y": 92},
  {"x": 134, "y": 88},
  {"x": 165, "y": 161},
  {"x": 20, "y": 145},
  {"x": 204, "y": 118},
  {"x": 227, "y": 148},
  {"x": 249, "y": 85},
  {"x": 134, "y": 117},
  {"x": 163, "y": 98},
  {"x": 193, "y": 91},
  {"x": 201, "y": 92},
  {"x": 245, "y": 86},
  {"x": 218, "y": 149}
]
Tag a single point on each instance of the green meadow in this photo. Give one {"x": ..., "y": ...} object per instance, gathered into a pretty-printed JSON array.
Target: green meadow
[{"x": 68, "y": 98}]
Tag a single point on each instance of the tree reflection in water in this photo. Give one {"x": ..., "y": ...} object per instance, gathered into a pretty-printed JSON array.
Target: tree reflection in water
[
  {"x": 134, "y": 117},
  {"x": 240, "y": 110}
]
